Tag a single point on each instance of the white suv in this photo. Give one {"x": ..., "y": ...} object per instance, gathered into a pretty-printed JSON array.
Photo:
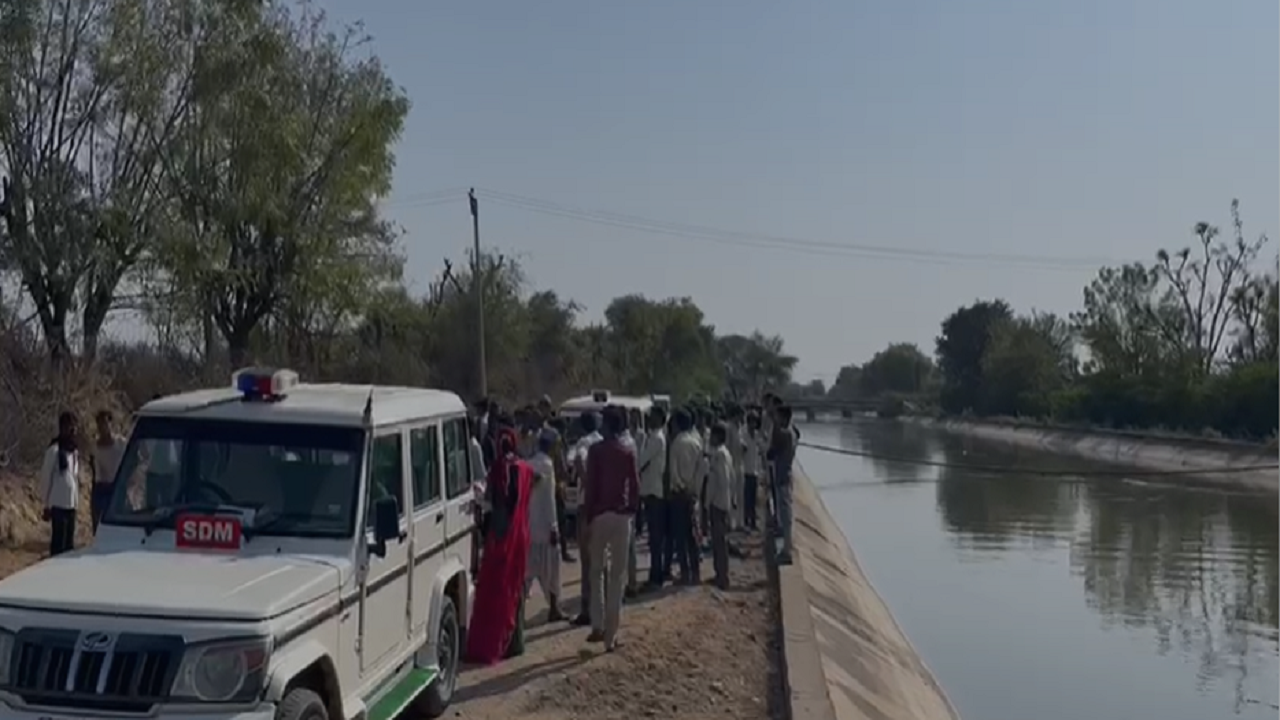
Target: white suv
[{"x": 273, "y": 551}]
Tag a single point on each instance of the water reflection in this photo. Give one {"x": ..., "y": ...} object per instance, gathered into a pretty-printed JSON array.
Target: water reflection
[
  {"x": 893, "y": 449},
  {"x": 1196, "y": 570}
]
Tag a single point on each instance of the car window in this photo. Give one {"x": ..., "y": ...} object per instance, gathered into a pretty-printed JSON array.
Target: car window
[
  {"x": 302, "y": 478},
  {"x": 424, "y": 458},
  {"x": 457, "y": 477},
  {"x": 388, "y": 472}
]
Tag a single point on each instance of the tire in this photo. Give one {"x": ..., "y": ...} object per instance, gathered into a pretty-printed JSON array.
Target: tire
[
  {"x": 302, "y": 703},
  {"x": 434, "y": 701}
]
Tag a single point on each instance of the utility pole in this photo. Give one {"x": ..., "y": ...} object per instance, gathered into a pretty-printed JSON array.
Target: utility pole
[{"x": 477, "y": 283}]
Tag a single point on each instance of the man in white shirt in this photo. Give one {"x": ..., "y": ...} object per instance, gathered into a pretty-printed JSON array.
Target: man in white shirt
[
  {"x": 544, "y": 531},
  {"x": 733, "y": 443},
  {"x": 682, "y": 501},
  {"x": 590, "y": 423},
  {"x": 653, "y": 465},
  {"x": 754, "y": 445},
  {"x": 720, "y": 474},
  {"x": 108, "y": 451}
]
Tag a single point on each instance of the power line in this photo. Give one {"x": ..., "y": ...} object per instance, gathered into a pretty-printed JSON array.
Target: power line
[
  {"x": 749, "y": 239},
  {"x": 427, "y": 199}
]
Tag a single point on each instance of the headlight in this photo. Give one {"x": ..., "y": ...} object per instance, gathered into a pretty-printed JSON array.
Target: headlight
[
  {"x": 222, "y": 671},
  {"x": 6, "y": 656}
]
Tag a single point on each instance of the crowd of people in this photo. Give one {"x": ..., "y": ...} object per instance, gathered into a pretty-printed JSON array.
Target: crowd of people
[{"x": 684, "y": 480}]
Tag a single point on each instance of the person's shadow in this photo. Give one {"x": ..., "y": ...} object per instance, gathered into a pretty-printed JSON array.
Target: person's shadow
[{"x": 506, "y": 682}]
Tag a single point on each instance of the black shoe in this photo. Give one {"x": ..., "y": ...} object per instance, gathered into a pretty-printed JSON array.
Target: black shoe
[
  {"x": 566, "y": 557},
  {"x": 582, "y": 620}
]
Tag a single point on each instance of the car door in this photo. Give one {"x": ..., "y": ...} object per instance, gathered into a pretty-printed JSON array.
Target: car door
[
  {"x": 459, "y": 519},
  {"x": 384, "y": 608},
  {"x": 425, "y": 464}
]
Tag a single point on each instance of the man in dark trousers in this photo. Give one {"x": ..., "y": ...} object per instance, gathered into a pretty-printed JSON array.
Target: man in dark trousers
[
  {"x": 686, "y": 468},
  {"x": 782, "y": 455},
  {"x": 653, "y": 468}
]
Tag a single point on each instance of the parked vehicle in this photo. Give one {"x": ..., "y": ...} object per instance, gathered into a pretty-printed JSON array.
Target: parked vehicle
[{"x": 274, "y": 550}]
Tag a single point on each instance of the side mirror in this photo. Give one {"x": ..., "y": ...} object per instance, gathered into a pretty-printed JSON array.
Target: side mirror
[{"x": 386, "y": 524}]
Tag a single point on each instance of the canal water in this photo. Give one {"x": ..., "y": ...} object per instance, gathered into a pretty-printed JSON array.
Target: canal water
[{"x": 1064, "y": 597}]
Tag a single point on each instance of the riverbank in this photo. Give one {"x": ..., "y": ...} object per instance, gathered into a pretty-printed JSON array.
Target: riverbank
[
  {"x": 845, "y": 656},
  {"x": 1253, "y": 465}
]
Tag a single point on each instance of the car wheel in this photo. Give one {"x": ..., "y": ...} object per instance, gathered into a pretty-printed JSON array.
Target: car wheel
[
  {"x": 302, "y": 704},
  {"x": 435, "y": 699}
]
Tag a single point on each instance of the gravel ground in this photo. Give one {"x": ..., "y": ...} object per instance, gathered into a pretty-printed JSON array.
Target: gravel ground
[{"x": 686, "y": 653}]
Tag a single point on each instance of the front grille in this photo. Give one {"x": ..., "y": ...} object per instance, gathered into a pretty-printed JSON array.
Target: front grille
[{"x": 71, "y": 669}]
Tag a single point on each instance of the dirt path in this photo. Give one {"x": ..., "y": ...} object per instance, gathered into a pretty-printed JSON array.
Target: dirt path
[{"x": 686, "y": 653}]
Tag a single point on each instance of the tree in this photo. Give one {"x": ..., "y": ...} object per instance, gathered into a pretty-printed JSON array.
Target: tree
[
  {"x": 51, "y": 96},
  {"x": 660, "y": 346},
  {"x": 901, "y": 368},
  {"x": 755, "y": 364},
  {"x": 848, "y": 384},
  {"x": 1255, "y": 308},
  {"x": 1027, "y": 361},
  {"x": 1204, "y": 284},
  {"x": 277, "y": 168},
  {"x": 965, "y": 336}
]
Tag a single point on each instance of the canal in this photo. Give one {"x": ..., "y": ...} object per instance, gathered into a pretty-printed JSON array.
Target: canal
[{"x": 1064, "y": 597}]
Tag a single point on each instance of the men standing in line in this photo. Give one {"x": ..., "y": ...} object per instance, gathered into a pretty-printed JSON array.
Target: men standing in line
[
  {"x": 611, "y": 501},
  {"x": 686, "y": 485},
  {"x": 653, "y": 466}
]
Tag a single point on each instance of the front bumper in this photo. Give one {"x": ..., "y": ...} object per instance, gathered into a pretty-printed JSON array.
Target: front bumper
[{"x": 265, "y": 711}]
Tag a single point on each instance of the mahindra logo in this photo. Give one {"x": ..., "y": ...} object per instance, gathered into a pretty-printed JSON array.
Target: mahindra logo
[{"x": 93, "y": 641}]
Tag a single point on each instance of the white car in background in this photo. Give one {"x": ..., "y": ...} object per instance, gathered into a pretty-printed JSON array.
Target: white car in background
[{"x": 573, "y": 409}]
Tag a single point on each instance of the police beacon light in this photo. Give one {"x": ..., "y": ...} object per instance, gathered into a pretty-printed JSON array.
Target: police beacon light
[{"x": 264, "y": 383}]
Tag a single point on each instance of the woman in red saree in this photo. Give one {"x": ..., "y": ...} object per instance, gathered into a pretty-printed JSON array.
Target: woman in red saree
[{"x": 496, "y": 618}]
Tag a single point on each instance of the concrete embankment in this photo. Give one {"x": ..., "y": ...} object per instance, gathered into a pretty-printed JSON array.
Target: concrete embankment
[
  {"x": 845, "y": 656},
  {"x": 1202, "y": 460}
]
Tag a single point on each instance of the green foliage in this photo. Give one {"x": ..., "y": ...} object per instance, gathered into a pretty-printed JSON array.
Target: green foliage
[
  {"x": 966, "y": 335},
  {"x": 218, "y": 166},
  {"x": 1189, "y": 342}
]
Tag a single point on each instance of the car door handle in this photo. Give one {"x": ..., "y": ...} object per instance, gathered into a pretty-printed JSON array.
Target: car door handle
[{"x": 439, "y": 518}]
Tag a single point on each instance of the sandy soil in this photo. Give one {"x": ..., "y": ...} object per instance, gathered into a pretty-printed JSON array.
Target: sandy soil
[{"x": 686, "y": 653}]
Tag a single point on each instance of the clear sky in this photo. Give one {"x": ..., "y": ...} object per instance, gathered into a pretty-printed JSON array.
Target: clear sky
[{"x": 1070, "y": 130}]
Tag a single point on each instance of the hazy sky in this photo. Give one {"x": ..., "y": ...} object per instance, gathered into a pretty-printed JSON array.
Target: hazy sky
[{"x": 1086, "y": 130}]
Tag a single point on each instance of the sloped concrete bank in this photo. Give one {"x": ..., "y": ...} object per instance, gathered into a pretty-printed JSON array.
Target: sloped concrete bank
[
  {"x": 1194, "y": 459},
  {"x": 845, "y": 658}
]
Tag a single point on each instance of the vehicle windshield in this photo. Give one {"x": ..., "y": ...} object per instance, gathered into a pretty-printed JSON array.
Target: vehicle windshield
[{"x": 300, "y": 480}]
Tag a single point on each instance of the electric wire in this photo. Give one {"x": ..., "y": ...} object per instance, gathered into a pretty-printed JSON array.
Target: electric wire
[{"x": 700, "y": 232}]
